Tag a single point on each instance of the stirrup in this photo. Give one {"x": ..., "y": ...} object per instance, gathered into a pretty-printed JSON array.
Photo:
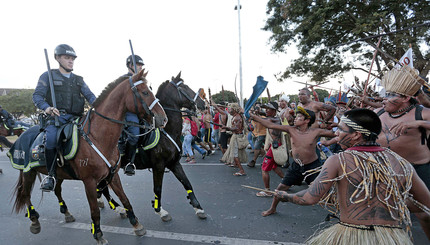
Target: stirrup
[
  {"x": 128, "y": 172},
  {"x": 44, "y": 182}
]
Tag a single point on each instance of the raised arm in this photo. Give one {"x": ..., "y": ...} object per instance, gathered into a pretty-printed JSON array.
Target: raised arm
[
  {"x": 268, "y": 124},
  {"x": 317, "y": 189}
]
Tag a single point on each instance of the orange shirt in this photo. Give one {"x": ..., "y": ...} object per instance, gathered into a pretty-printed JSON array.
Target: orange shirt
[{"x": 259, "y": 129}]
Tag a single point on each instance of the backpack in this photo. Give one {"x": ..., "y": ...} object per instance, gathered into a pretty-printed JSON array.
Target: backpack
[{"x": 194, "y": 128}]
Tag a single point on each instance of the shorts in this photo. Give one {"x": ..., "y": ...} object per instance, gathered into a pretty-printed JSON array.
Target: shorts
[
  {"x": 259, "y": 142},
  {"x": 294, "y": 174},
  {"x": 268, "y": 161},
  {"x": 208, "y": 135},
  {"x": 223, "y": 138},
  {"x": 423, "y": 171}
]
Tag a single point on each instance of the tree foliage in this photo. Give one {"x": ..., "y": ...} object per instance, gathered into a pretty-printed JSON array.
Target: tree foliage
[
  {"x": 224, "y": 96},
  {"x": 325, "y": 32},
  {"x": 19, "y": 102}
]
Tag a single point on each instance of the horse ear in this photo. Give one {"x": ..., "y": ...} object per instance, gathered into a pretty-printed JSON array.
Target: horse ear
[
  {"x": 178, "y": 76},
  {"x": 140, "y": 74},
  {"x": 145, "y": 74}
]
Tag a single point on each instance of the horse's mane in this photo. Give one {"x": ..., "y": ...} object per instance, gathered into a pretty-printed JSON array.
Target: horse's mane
[
  {"x": 161, "y": 87},
  {"x": 107, "y": 90}
]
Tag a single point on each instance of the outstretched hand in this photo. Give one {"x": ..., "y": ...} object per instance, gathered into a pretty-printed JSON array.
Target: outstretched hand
[{"x": 52, "y": 111}]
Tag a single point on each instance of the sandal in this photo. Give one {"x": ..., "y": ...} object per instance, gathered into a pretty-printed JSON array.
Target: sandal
[
  {"x": 239, "y": 174},
  {"x": 192, "y": 161},
  {"x": 263, "y": 194}
]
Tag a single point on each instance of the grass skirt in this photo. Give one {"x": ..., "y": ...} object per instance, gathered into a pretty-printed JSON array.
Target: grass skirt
[
  {"x": 344, "y": 235},
  {"x": 229, "y": 154}
]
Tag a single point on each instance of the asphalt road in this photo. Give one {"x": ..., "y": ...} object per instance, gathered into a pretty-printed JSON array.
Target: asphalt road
[{"x": 233, "y": 212}]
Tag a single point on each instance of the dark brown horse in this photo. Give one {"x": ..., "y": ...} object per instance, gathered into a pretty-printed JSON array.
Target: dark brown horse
[
  {"x": 173, "y": 95},
  {"x": 103, "y": 129}
]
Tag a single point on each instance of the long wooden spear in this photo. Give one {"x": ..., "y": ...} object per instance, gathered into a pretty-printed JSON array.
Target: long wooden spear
[{"x": 370, "y": 70}]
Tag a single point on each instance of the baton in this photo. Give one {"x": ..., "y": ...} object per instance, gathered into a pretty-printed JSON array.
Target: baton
[
  {"x": 51, "y": 86},
  {"x": 132, "y": 56}
]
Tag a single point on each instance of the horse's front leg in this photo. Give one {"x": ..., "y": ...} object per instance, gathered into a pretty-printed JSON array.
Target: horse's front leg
[
  {"x": 119, "y": 191},
  {"x": 179, "y": 173},
  {"x": 112, "y": 203},
  {"x": 63, "y": 207},
  {"x": 91, "y": 192},
  {"x": 157, "y": 178}
]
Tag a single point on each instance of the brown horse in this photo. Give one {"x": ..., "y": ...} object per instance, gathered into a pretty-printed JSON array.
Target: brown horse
[{"x": 103, "y": 129}]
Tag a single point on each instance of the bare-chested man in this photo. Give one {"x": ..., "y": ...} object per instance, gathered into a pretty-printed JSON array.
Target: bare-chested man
[
  {"x": 372, "y": 188},
  {"x": 274, "y": 135},
  {"x": 233, "y": 153},
  {"x": 303, "y": 140},
  {"x": 405, "y": 135},
  {"x": 316, "y": 106}
]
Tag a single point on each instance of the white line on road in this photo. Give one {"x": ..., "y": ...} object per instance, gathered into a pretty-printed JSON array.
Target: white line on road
[{"x": 179, "y": 236}]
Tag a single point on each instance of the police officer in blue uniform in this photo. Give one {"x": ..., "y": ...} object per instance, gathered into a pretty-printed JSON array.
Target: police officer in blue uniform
[
  {"x": 131, "y": 144},
  {"x": 7, "y": 119},
  {"x": 70, "y": 93}
]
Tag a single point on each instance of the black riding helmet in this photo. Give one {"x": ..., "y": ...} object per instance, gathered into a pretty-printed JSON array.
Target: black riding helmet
[
  {"x": 137, "y": 58},
  {"x": 64, "y": 49}
]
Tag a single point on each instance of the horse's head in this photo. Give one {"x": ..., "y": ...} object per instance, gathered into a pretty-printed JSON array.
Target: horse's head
[
  {"x": 142, "y": 101},
  {"x": 184, "y": 96}
]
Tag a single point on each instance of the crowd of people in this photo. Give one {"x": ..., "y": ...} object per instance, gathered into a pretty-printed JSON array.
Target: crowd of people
[
  {"x": 376, "y": 171},
  {"x": 379, "y": 174}
]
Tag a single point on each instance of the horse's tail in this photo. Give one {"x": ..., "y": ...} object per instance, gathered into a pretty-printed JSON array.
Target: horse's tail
[
  {"x": 4, "y": 141},
  {"x": 20, "y": 192}
]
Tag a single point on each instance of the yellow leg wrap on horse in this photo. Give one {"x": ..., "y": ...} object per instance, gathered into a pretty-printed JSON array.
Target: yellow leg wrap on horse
[
  {"x": 112, "y": 205},
  {"x": 189, "y": 191},
  {"x": 28, "y": 210},
  {"x": 92, "y": 228}
]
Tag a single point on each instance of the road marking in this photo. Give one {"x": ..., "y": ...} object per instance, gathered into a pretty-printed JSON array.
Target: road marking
[{"x": 178, "y": 236}]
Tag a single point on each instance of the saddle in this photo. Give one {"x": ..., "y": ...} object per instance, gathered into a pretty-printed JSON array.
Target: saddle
[{"x": 28, "y": 151}]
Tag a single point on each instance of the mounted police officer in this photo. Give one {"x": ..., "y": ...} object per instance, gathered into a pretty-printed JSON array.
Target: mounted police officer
[
  {"x": 132, "y": 139},
  {"x": 70, "y": 92}
]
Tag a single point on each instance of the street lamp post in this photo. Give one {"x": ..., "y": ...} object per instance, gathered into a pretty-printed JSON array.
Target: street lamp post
[{"x": 238, "y": 7}]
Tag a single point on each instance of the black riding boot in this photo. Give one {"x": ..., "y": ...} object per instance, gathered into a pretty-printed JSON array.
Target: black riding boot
[
  {"x": 130, "y": 153},
  {"x": 51, "y": 165}
]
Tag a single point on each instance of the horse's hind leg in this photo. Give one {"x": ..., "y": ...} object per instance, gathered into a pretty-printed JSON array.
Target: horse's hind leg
[
  {"x": 179, "y": 173},
  {"x": 119, "y": 191},
  {"x": 113, "y": 204},
  {"x": 23, "y": 197},
  {"x": 63, "y": 207}
]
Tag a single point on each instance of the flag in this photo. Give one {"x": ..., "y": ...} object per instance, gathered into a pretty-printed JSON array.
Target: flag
[
  {"x": 258, "y": 89},
  {"x": 406, "y": 59}
]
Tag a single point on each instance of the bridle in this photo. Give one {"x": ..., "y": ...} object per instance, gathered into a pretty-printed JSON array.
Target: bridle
[{"x": 182, "y": 92}]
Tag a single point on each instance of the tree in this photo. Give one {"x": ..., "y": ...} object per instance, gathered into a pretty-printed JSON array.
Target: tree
[
  {"x": 224, "y": 96},
  {"x": 326, "y": 32},
  {"x": 19, "y": 102}
]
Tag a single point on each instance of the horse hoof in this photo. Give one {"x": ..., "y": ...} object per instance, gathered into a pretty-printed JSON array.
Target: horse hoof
[
  {"x": 201, "y": 215},
  {"x": 166, "y": 218},
  {"x": 69, "y": 218},
  {"x": 139, "y": 230},
  {"x": 102, "y": 241},
  {"x": 35, "y": 228},
  {"x": 123, "y": 216},
  {"x": 100, "y": 203}
]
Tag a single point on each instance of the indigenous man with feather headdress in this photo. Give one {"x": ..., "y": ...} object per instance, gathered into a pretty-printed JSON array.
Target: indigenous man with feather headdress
[
  {"x": 367, "y": 186},
  {"x": 406, "y": 125}
]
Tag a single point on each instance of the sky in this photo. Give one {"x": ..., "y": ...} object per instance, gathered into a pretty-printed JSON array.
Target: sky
[{"x": 199, "y": 38}]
